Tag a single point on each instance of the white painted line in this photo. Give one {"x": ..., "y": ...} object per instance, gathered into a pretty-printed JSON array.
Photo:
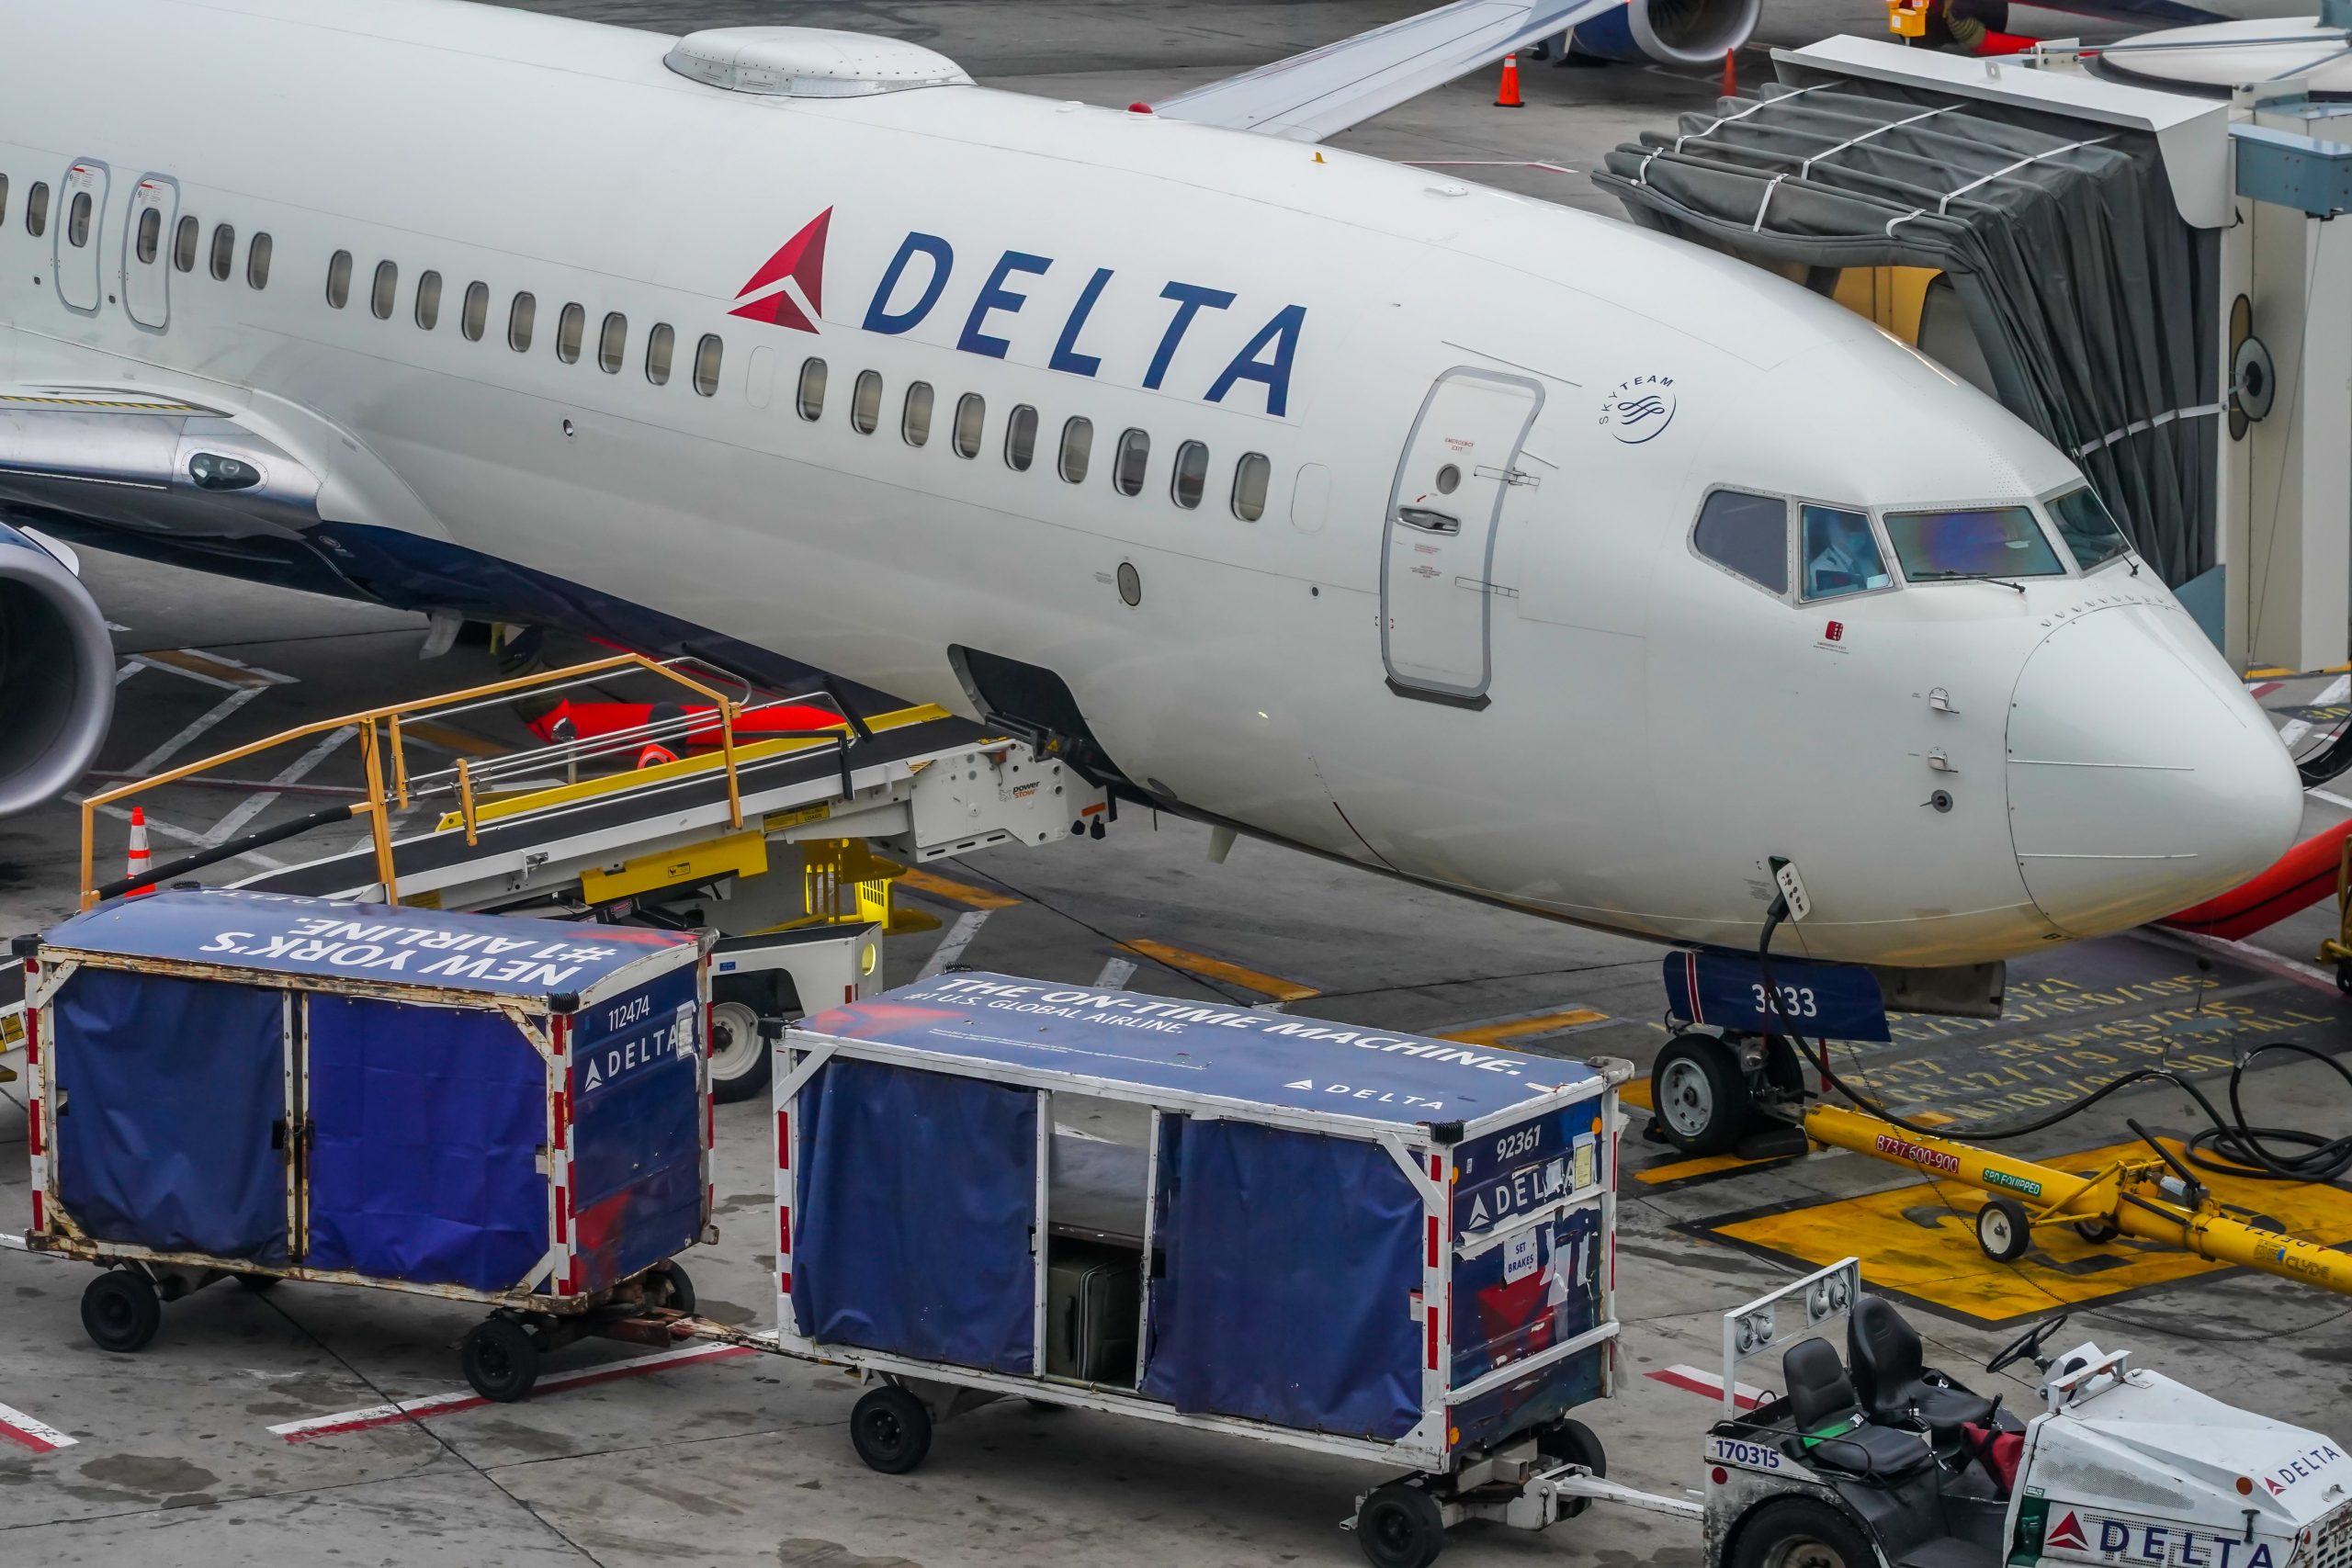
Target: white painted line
[
  {"x": 1690, "y": 1378},
  {"x": 1116, "y": 972},
  {"x": 2330, "y": 797},
  {"x": 314, "y": 1426},
  {"x": 254, "y": 804},
  {"x": 154, "y": 759},
  {"x": 2261, "y": 958},
  {"x": 38, "y": 1435},
  {"x": 951, "y": 946},
  {"x": 2294, "y": 730},
  {"x": 128, "y": 668}
]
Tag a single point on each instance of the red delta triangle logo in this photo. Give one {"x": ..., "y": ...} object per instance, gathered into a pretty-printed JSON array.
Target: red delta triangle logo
[
  {"x": 799, "y": 260},
  {"x": 2067, "y": 1533}
]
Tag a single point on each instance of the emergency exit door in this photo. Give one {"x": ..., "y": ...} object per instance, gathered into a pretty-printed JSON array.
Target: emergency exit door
[
  {"x": 146, "y": 251},
  {"x": 75, "y": 227},
  {"x": 1438, "y": 550}
]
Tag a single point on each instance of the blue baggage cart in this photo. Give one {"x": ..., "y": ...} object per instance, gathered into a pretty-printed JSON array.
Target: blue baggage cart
[
  {"x": 503, "y": 1111},
  {"x": 1345, "y": 1239}
]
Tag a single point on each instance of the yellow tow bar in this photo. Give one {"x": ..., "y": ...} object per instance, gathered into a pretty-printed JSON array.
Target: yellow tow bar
[{"x": 2127, "y": 1198}]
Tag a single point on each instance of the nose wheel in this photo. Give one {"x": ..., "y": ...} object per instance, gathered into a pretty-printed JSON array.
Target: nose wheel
[{"x": 1699, "y": 1094}]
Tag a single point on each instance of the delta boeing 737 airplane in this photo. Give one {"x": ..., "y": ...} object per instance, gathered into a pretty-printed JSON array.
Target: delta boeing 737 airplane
[{"x": 1466, "y": 537}]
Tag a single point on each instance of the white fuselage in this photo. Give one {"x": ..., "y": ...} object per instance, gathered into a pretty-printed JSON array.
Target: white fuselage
[{"x": 1654, "y": 727}]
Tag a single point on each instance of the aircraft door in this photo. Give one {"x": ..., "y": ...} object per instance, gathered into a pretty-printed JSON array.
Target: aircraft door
[
  {"x": 146, "y": 251},
  {"x": 1437, "y": 551},
  {"x": 75, "y": 225}
]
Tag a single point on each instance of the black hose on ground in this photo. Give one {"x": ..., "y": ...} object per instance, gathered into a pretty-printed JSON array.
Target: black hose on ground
[{"x": 2243, "y": 1150}]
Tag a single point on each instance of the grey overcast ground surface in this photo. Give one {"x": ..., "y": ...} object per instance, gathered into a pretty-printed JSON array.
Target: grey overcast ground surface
[{"x": 747, "y": 1462}]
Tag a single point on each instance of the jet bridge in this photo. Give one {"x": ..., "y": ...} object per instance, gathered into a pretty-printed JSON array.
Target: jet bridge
[
  {"x": 2142, "y": 272},
  {"x": 562, "y": 824}
]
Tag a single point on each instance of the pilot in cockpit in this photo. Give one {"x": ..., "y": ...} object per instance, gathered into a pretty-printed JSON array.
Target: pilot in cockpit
[{"x": 1840, "y": 554}]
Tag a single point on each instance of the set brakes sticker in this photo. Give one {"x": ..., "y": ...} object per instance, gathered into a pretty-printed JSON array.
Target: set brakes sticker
[{"x": 2071, "y": 1532}]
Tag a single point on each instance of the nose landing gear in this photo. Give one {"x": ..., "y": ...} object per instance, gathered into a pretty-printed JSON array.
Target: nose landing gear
[{"x": 1707, "y": 1088}]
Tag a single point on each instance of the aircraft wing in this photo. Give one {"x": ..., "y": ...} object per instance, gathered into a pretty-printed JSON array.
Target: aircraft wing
[{"x": 1309, "y": 96}]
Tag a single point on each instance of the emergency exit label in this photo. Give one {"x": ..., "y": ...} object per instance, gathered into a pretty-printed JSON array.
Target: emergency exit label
[{"x": 662, "y": 1040}]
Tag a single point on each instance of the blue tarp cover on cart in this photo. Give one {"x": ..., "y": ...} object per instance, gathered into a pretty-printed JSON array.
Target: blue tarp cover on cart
[
  {"x": 278, "y": 934},
  {"x": 1215, "y": 1049}
]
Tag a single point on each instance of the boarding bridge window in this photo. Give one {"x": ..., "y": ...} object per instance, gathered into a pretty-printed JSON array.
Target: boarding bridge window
[
  {"x": 151, "y": 235},
  {"x": 1190, "y": 477},
  {"x": 257, "y": 258},
  {"x": 707, "y": 355},
  {"x": 1021, "y": 438},
  {"x": 612, "y": 344},
  {"x": 1250, "y": 478},
  {"x": 428, "y": 299},
  {"x": 520, "y": 318},
  {"x": 865, "y": 402},
  {"x": 570, "y": 326},
  {"x": 184, "y": 236},
  {"x": 1977, "y": 541},
  {"x": 1748, "y": 534},
  {"x": 971, "y": 417},
  {"x": 1841, "y": 554},
  {"x": 1078, "y": 448},
  {"x": 2091, "y": 533},
  {"x": 384, "y": 293},
  {"x": 475, "y": 319},
  {"x": 339, "y": 279},
  {"x": 915, "y": 417},
  {"x": 1128, "y": 466},
  {"x": 809, "y": 400},
  {"x": 37, "y": 209},
  {"x": 224, "y": 253},
  {"x": 77, "y": 221},
  {"x": 660, "y": 348}
]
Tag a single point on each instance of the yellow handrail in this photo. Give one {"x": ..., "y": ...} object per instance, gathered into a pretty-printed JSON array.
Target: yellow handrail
[{"x": 379, "y": 805}]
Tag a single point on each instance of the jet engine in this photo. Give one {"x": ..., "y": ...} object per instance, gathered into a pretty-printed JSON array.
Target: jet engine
[
  {"x": 1671, "y": 32},
  {"x": 56, "y": 675}
]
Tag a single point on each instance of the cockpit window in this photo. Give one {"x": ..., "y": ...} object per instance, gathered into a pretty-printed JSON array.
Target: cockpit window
[
  {"x": 1750, "y": 534},
  {"x": 2091, "y": 533},
  {"x": 1840, "y": 554},
  {"x": 1989, "y": 541}
]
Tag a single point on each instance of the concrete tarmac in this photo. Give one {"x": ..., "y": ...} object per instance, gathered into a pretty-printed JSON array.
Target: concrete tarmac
[{"x": 746, "y": 1461}]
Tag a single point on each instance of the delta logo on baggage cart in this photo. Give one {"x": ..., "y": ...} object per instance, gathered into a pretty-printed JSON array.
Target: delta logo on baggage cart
[{"x": 662, "y": 1040}]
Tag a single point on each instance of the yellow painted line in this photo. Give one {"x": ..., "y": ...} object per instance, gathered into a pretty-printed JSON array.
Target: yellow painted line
[
  {"x": 1636, "y": 1093},
  {"x": 948, "y": 887},
  {"x": 1519, "y": 1028},
  {"x": 1209, "y": 968},
  {"x": 195, "y": 664},
  {"x": 1676, "y": 1171},
  {"x": 465, "y": 743},
  {"x": 1920, "y": 1239},
  {"x": 1931, "y": 1119}
]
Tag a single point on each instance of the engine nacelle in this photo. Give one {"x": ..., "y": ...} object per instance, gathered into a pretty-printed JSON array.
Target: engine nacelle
[
  {"x": 1671, "y": 32},
  {"x": 56, "y": 675}
]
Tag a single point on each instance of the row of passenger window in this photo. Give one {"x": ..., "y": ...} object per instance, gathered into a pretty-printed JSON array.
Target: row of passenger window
[
  {"x": 188, "y": 236},
  {"x": 1074, "y": 458},
  {"x": 521, "y": 324}
]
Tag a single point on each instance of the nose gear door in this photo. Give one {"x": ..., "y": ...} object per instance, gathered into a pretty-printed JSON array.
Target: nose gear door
[{"x": 1437, "y": 551}]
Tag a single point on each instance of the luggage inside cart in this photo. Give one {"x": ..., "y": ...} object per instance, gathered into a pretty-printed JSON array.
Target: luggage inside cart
[
  {"x": 1341, "y": 1239},
  {"x": 252, "y": 1086}
]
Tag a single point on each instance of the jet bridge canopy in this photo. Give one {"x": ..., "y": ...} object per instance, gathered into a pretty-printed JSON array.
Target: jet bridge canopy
[{"x": 2089, "y": 295}]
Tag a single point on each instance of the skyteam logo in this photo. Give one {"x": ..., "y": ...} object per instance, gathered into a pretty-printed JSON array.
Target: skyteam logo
[
  {"x": 799, "y": 263},
  {"x": 1641, "y": 407}
]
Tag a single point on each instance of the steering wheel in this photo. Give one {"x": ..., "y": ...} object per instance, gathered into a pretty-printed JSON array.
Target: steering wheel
[{"x": 2026, "y": 1344}]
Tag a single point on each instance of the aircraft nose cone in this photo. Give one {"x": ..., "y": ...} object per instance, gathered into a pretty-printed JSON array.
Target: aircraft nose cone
[{"x": 2142, "y": 777}]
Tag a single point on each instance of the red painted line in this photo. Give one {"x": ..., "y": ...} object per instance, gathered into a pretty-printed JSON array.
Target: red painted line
[
  {"x": 2265, "y": 689},
  {"x": 1706, "y": 1384},
  {"x": 444, "y": 1404},
  {"x": 38, "y": 1435}
]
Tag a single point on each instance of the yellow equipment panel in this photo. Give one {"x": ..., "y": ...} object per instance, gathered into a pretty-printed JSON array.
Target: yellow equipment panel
[
  {"x": 745, "y": 854},
  {"x": 1919, "y": 1241}
]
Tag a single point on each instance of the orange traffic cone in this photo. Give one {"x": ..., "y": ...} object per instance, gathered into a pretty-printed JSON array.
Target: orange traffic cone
[
  {"x": 654, "y": 755},
  {"x": 1509, "y": 97},
  {"x": 1731, "y": 74},
  {"x": 140, "y": 855}
]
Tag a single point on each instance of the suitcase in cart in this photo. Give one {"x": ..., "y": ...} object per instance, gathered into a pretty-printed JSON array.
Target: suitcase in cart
[{"x": 1094, "y": 1294}]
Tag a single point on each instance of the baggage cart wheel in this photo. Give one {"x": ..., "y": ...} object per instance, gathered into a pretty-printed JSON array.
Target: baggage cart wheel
[
  {"x": 671, "y": 1287},
  {"x": 121, "y": 1311},
  {"x": 502, "y": 1360},
  {"x": 1400, "y": 1527},
  {"x": 740, "y": 1063},
  {"x": 890, "y": 1429},
  {"x": 1798, "y": 1532},
  {"x": 1569, "y": 1441},
  {"x": 2002, "y": 1230},
  {"x": 1699, "y": 1094},
  {"x": 257, "y": 1283},
  {"x": 2097, "y": 1231}
]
